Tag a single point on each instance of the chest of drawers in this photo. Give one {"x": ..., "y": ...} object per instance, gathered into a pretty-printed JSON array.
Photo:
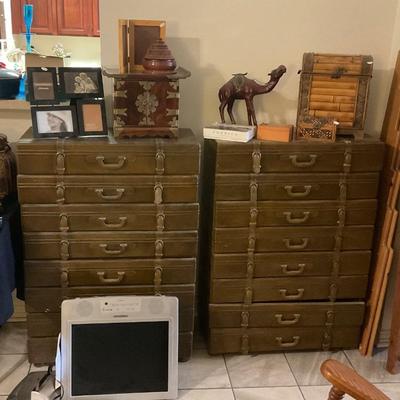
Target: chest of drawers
[
  {"x": 103, "y": 216},
  {"x": 288, "y": 240}
]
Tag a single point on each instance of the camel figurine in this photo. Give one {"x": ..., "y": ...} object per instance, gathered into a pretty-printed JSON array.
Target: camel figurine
[{"x": 240, "y": 87}]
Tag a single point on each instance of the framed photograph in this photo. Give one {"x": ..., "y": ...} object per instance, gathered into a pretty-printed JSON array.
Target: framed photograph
[
  {"x": 55, "y": 121},
  {"x": 80, "y": 83},
  {"x": 42, "y": 85},
  {"x": 135, "y": 37},
  {"x": 91, "y": 117}
]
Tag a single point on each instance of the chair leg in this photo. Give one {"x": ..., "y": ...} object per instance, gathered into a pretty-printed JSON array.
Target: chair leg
[{"x": 335, "y": 394}]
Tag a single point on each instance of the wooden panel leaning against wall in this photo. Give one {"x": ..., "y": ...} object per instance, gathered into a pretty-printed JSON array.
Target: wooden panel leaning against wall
[{"x": 58, "y": 17}]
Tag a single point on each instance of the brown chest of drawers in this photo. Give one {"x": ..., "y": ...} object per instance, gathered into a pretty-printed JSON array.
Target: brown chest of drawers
[
  {"x": 107, "y": 217},
  {"x": 289, "y": 231}
]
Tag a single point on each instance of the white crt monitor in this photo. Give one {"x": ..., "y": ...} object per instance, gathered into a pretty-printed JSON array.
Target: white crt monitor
[{"x": 119, "y": 348}]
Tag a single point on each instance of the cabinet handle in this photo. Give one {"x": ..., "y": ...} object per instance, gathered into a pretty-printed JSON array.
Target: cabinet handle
[
  {"x": 293, "y": 220},
  {"x": 287, "y": 321},
  {"x": 120, "y": 224},
  {"x": 117, "y": 165},
  {"x": 295, "y": 341},
  {"x": 122, "y": 248},
  {"x": 256, "y": 162},
  {"x": 298, "y": 271},
  {"x": 158, "y": 194},
  {"x": 298, "y": 295},
  {"x": 116, "y": 196},
  {"x": 296, "y": 246},
  {"x": 103, "y": 279},
  {"x": 303, "y": 164},
  {"x": 304, "y": 193}
]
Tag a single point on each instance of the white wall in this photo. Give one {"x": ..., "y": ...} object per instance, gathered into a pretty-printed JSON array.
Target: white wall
[{"x": 214, "y": 39}]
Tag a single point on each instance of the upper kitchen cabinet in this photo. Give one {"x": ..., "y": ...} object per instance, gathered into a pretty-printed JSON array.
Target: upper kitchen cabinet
[{"x": 59, "y": 17}]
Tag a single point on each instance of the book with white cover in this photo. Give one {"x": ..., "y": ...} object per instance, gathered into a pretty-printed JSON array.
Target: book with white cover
[{"x": 232, "y": 133}]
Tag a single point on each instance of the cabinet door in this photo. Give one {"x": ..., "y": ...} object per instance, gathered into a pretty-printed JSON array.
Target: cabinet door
[
  {"x": 44, "y": 16},
  {"x": 96, "y": 18},
  {"x": 74, "y": 17}
]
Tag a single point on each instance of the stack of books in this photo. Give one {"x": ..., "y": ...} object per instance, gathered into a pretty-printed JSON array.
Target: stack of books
[{"x": 232, "y": 133}]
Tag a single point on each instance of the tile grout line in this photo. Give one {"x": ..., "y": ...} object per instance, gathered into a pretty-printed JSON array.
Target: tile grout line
[
  {"x": 349, "y": 360},
  {"x": 294, "y": 376},
  {"x": 229, "y": 377}
]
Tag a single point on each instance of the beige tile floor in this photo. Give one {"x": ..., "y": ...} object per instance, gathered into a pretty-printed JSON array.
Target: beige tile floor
[{"x": 279, "y": 376}]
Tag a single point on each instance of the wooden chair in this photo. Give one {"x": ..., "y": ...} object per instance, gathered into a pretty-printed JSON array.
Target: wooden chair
[{"x": 346, "y": 381}]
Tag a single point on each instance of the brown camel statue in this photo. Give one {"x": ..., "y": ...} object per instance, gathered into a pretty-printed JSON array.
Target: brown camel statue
[{"x": 240, "y": 87}]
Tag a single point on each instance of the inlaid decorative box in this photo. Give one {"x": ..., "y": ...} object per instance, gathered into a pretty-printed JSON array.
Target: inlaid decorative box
[
  {"x": 146, "y": 103},
  {"x": 336, "y": 86}
]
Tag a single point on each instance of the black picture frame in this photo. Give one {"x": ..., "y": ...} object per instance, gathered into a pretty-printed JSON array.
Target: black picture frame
[
  {"x": 81, "y": 117},
  {"x": 38, "y": 127},
  {"x": 33, "y": 85},
  {"x": 67, "y": 91}
]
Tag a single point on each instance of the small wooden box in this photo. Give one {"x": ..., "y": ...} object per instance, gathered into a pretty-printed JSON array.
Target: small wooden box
[
  {"x": 313, "y": 128},
  {"x": 276, "y": 133}
]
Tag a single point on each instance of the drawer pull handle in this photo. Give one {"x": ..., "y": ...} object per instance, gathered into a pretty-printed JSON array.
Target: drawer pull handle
[
  {"x": 287, "y": 321},
  {"x": 296, "y": 246},
  {"x": 303, "y": 164},
  {"x": 285, "y": 294},
  {"x": 122, "y": 248},
  {"x": 116, "y": 196},
  {"x": 118, "y": 279},
  {"x": 158, "y": 194},
  {"x": 292, "y": 193},
  {"x": 300, "y": 220},
  {"x": 295, "y": 341},
  {"x": 117, "y": 165},
  {"x": 298, "y": 271},
  {"x": 120, "y": 224}
]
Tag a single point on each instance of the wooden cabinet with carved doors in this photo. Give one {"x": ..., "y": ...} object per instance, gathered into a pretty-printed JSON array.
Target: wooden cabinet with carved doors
[
  {"x": 102, "y": 216},
  {"x": 291, "y": 228}
]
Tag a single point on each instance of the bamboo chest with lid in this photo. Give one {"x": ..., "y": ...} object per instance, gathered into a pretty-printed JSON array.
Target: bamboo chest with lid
[{"x": 288, "y": 242}]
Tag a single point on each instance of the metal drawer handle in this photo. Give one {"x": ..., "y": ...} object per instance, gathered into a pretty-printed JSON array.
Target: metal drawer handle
[
  {"x": 119, "y": 164},
  {"x": 303, "y": 164},
  {"x": 298, "y": 271},
  {"x": 296, "y": 296},
  {"x": 117, "y": 196},
  {"x": 120, "y": 224},
  {"x": 287, "y": 321},
  {"x": 296, "y": 246},
  {"x": 122, "y": 248},
  {"x": 295, "y": 341},
  {"x": 118, "y": 279},
  {"x": 158, "y": 193},
  {"x": 304, "y": 193},
  {"x": 293, "y": 220}
]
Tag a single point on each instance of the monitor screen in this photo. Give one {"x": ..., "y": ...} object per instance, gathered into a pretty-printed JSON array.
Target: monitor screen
[{"x": 110, "y": 358}]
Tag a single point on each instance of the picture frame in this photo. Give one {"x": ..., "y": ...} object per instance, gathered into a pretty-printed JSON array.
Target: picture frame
[
  {"x": 135, "y": 37},
  {"x": 76, "y": 82},
  {"x": 92, "y": 119},
  {"x": 42, "y": 85},
  {"x": 54, "y": 121}
]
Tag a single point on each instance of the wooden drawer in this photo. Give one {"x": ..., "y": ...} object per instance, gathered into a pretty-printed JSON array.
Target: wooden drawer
[
  {"x": 101, "y": 217},
  {"x": 39, "y": 300},
  {"x": 49, "y": 324},
  {"x": 105, "y": 273},
  {"x": 108, "y": 156},
  {"x": 265, "y": 315},
  {"x": 231, "y": 340},
  {"x": 43, "y": 350},
  {"x": 294, "y": 187},
  {"x": 107, "y": 189},
  {"x": 230, "y": 240},
  {"x": 288, "y": 289},
  {"x": 234, "y": 214},
  {"x": 109, "y": 245},
  {"x": 233, "y": 157},
  {"x": 290, "y": 264}
]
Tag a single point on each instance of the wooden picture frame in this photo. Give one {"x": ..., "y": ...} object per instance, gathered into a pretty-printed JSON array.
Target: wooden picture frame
[
  {"x": 91, "y": 117},
  {"x": 78, "y": 83},
  {"x": 42, "y": 85},
  {"x": 135, "y": 37},
  {"x": 54, "y": 121}
]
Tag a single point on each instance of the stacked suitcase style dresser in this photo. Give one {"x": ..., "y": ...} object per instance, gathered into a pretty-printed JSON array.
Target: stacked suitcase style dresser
[
  {"x": 291, "y": 232},
  {"x": 102, "y": 216}
]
